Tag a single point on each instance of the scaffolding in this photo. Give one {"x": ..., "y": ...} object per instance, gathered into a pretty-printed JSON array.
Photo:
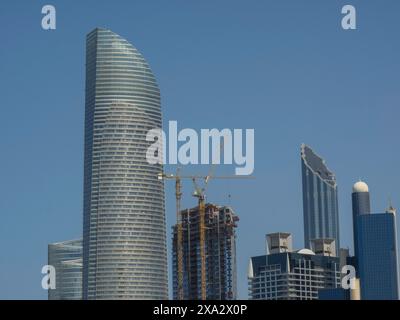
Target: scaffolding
[
  {"x": 217, "y": 280},
  {"x": 199, "y": 193}
]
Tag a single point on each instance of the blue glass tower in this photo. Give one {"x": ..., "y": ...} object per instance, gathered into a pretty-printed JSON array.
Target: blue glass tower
[
  {"x": 377, "y": 255},
  {"x": 320, "y": 202}
]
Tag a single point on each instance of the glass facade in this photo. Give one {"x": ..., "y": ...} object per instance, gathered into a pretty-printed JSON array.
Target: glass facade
[
  {"x": 292, "y": 275},
  {"x": 320, "y": 201},
  {"x": 124, "y": 243},
  {"x": 377, "y": 256},
  {"x": 66, "y": 258},
  {"x": 334, "y": 294},
  {"x": 360, "y": 205}
]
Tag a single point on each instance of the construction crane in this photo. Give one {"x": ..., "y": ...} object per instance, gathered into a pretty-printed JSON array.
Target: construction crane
[
  {"x": 200, "y": 194},
  {"x": 179, "y": 250}
]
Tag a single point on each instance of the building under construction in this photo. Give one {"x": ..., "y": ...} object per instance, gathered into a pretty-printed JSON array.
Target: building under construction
[{"x": 220, "y": 254}]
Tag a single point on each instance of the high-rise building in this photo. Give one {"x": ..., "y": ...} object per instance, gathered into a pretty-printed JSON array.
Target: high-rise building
[
  {"x": 361, "y": 205},
  {"x": 66, "y": 258},
  {"x": 220, "y": 249},
  {"x": 320, "y": 201},
  {"x": 124, "y": 232},
  {"x": 377, "y": 255},
  {"x": 291, "y": 275}
]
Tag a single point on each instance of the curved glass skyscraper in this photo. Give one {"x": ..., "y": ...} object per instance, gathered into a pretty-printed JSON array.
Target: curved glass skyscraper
[
  {"x": 124, "y": 243},
  {"x": 320, "y": 202}
]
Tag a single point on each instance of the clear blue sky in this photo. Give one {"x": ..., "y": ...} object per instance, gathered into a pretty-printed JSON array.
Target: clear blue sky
[{"x": 284, "y": 68}]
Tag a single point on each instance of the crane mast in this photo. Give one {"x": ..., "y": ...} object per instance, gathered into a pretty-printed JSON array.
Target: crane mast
[
  {"x": 178, "y": 194},
  {"x": 199, "y": 193}
]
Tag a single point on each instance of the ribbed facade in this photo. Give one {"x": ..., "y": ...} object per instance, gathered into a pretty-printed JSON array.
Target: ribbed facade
[
  {"x": 124, "y": 245},
  {"x": 66, "y": 258},
  {"x": 320, "y": 202}
]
